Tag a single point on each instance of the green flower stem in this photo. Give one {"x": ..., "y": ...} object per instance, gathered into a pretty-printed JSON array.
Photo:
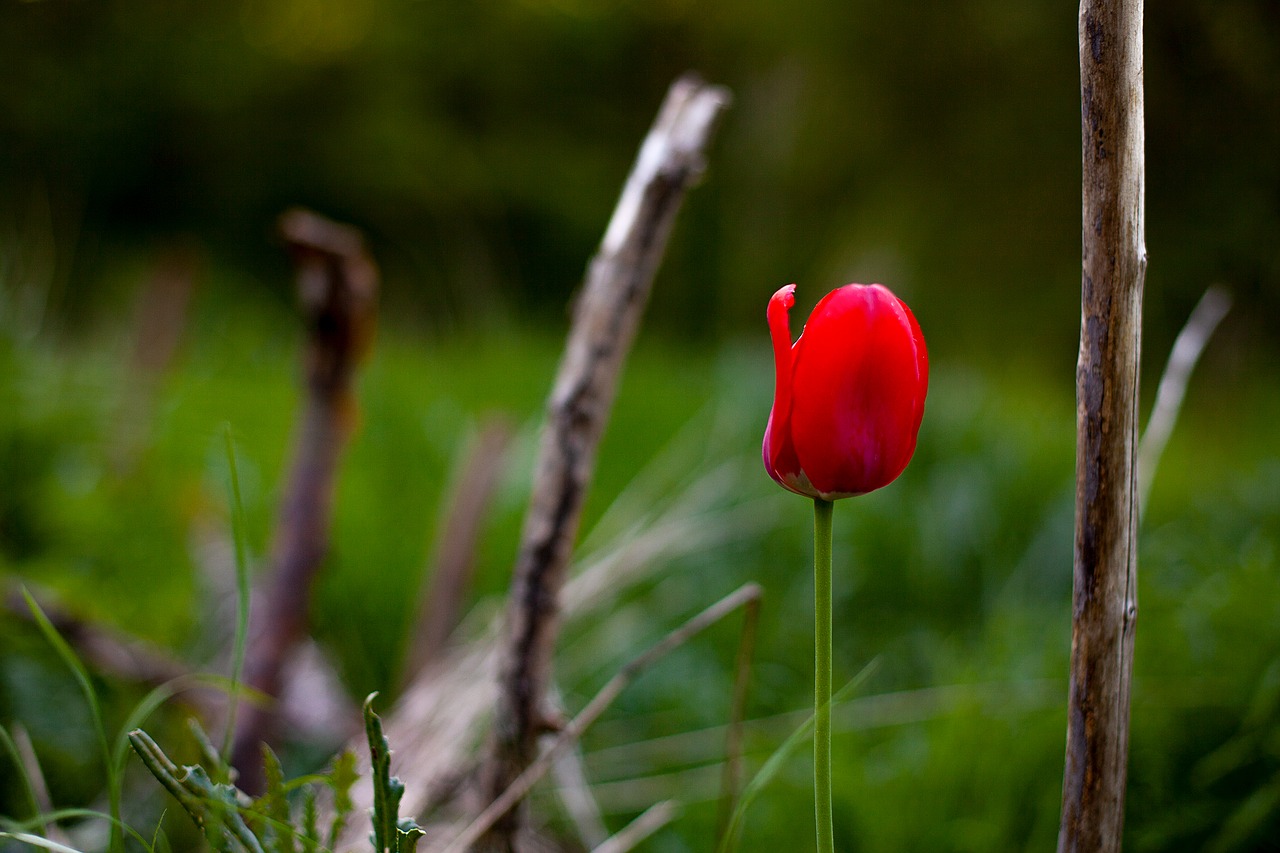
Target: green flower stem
[{"x": 822, "y": 673}]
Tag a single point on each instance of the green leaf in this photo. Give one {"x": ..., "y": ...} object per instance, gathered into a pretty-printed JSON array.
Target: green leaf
[
  {"x": 58, "y": 815},
  {"x": 341, "y": 780},
  {"x": 144, "y": 709},
  {"x": 37, "y": 841},
  {"x": 91, "y": 696},
  {"x": 210, "y": 757},
  {"x": 390, "y": 834},
  {"x": 224, "y": 801},
  {"x": 310, "y": 819},
  {"x": 274, "y": 805},
  {"x": 242, "y": 594},
  {"x": 407, "y": 835}
]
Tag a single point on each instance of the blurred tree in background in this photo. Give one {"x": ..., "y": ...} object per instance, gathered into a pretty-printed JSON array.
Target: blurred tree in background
[{"x": 481, "y": 145}]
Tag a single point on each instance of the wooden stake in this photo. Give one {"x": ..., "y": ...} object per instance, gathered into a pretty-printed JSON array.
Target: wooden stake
[{"x": 1106, "y": 547}]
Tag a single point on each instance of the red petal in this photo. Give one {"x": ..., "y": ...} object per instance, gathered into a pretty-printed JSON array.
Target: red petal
[
  {"x": 859, "y": 383},
  {"x": 777, "y": 450}
]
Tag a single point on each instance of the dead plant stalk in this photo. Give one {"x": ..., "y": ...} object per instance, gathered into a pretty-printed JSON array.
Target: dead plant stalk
[
  {"x": 1114, "y": 263},
  {"x": 607, "y": 315}
]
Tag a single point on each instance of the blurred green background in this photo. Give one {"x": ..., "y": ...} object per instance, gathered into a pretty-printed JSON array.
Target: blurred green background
[{"x": 934, "y": 147}]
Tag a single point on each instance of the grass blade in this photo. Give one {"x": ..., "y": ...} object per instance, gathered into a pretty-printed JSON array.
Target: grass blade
[
  {"x": 775, "y": 762},
  {"x": 37, "y": 841},
  {"x": 86, "y": 686},
  {"x": 242, "y": 593},
  {"x": 12, "y": 748}
]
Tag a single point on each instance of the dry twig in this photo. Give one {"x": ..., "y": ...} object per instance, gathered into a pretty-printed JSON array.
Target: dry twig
[
  {"x": 731, "y": 779},
  {"x": 438, "y": 722},
  {"x": 574, "y": 790},
  {"x": 451, "y": 566},
  {"x": 104, "y": 649},
  {"x": 1191, "y": 341},
  {"x": 649, "y": 822},
  {"x": 605, "y": 321},
  {"x": 1106, "y": 546},
  {"x": 599, "y": 703},
  {"x": 337, "y": 288},
  {"x": 38, "y": 786}
]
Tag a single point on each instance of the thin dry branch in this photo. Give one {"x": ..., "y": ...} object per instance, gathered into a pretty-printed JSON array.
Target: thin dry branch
[
  {"x": 1106, "y": 554},
  {"x": 1187, "y": 347},
  {"x": 649, "y": 822},
  {"x": 104, "y": 649},
  {"x": 39, "y": 787},
  {"x": 337, "y": 289},
  {"x": 472, "y": 490},
  {"x": 438, "y": 724},
  {"x": 731, "y": 779},
  {"x": 160, "y": 322},
  {"x": 575, "y": 795},
  {"x": 608, "y": 312},
  {"x": 572, "y": 733}
]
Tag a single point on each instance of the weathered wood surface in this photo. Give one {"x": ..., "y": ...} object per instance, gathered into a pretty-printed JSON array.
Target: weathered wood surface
[
  {"x": 607, "y": 314},
  {"x": 436, "y": 727},
  {"x": 1106, "y": 548}
]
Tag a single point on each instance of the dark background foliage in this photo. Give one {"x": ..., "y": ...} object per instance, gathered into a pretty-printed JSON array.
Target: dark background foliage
[{"x": 481, "y": 146}]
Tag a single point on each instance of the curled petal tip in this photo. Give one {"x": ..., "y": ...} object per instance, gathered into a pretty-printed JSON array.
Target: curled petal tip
[{"x": 786, "y": 296}]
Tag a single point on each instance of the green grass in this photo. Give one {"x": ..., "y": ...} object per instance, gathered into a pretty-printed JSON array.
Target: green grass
[{"x": 957, "y": 578}]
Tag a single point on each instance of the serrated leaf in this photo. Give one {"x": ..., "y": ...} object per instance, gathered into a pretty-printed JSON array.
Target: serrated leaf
[
  {"x": 310, "y": 818},
  {"x": 273, "y": 805},
  {"x": 341, "y": 780},
  {"x": 390, "y": 833}
]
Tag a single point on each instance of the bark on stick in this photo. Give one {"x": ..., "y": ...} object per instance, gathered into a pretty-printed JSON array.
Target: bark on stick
[
  {"x": 605, "y": 320},
  {"x": 1106, "y": 547},
  {"x": 337, "y": 288}
]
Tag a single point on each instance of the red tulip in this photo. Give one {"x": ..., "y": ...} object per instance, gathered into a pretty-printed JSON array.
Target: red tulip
[{"x": 849, "y": 395}]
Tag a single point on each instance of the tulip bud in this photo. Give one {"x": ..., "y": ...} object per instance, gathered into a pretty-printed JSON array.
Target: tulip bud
[{"x": 849, "y": 394}]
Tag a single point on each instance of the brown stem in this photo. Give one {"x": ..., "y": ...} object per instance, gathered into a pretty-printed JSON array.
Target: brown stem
[
  {"x": 452, "y": 564},
  {"x": 337, "y": 288},
  {"x": 159, "y": 324},
  {"x": 437, "y": 725},
  {"x": 608, "y": 312},
  {"x": 745, "y": 596},
  {"x": 104, "y": 649},
  {"x": 731, "y": 778},
  {"x": 1106, "y": 552}
]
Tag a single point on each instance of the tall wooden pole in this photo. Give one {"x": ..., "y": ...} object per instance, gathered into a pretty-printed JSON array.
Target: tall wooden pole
[{"x": 1106, "y": 546}]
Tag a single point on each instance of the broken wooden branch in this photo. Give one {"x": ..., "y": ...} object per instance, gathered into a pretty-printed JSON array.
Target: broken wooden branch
[
  {"x": 437, "y": 726},
  {"x": 1114, "y": 260},
  {"x": 160, "y": 321},
  {"x": 337, "y": 289},
  {"x": 570, "y": 734},
  {"x": 605, "y": 320},
  {"x": 103, "y": 649}
]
